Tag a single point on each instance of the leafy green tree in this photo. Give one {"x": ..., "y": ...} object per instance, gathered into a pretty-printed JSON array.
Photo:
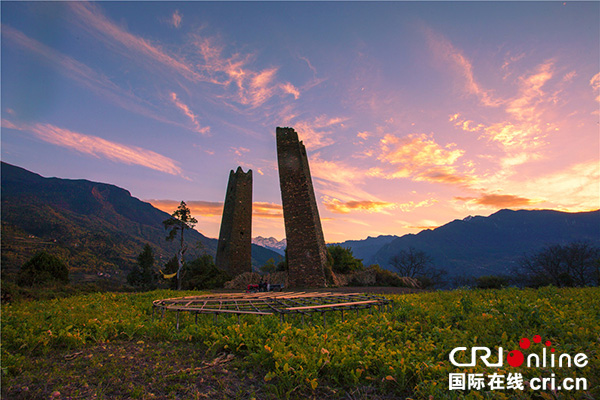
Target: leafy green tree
[
  {"x": 179, "y": 221},
  {"x": 143, "y": 274},
  {"x": 342, "y": 260},
  {"x": 43, "y": 268}
]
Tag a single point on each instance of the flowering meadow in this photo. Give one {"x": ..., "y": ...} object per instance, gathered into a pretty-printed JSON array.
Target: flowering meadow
[{"x": 397, "y": 352}]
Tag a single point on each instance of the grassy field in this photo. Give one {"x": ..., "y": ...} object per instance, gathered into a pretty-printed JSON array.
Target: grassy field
[{"x": 106, "y": 345}]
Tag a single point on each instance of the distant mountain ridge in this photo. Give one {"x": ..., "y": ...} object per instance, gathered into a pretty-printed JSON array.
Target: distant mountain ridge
[
  {"x": 98, "y": 227},
  {"x": 477, "y": 246},
  {"x": 365, "y": 249},
  {"x": 271, "y": 243}
]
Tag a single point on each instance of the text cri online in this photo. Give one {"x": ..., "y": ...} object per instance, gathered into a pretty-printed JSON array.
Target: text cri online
[{"x": 550, "y": 384}]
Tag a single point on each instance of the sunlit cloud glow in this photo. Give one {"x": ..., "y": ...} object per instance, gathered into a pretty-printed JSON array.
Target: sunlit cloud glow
[
  {"x": 340, "y": 207},
  {"x": 498, "y": 200},
  {"x": 100, "y": 148},
  {"x": 201, "y": 208},
  {"x": 419, "y": 157}
]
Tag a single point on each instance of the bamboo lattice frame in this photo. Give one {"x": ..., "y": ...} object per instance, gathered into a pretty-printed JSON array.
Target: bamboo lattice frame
[{"x": 270, "y": 303}]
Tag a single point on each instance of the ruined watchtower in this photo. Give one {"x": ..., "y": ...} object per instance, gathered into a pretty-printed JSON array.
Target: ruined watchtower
[
  {"x": 306, "y": 251},
  {"x": 234, "y": 251}
]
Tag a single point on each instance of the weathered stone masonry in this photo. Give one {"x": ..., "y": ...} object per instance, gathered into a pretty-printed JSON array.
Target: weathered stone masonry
[
  {"x": 234, "y": 250},
  {"x": 306, "y": 251}
]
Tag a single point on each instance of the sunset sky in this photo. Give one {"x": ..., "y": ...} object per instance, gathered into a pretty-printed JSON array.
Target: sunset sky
[{"x": 413, "y": 114}]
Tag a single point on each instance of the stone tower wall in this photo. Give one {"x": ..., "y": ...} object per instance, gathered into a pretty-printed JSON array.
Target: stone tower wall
[
  {"x": 306, "y": 251},
  {"x": 234, "y": 250}
]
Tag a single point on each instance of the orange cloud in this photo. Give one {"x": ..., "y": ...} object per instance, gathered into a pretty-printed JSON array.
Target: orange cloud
[
  {"x": 215, "y": 209},
  {"x": 186, "y": 110},
  {"x": 340, "y": 207},
  {"x": 419, "y": 157},
  {"x": 98, "y": 147},
  {"x": 498, "y": 200},
  {"x": 200, "y": 208},
  {"x": 267, "y": 210}
]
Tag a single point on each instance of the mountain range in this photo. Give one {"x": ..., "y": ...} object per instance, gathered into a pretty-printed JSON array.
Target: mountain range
[
  {"x": 271, "y": 243},
  {"x": 493, "y": 245},
  {"x": 100, "y": 228}
]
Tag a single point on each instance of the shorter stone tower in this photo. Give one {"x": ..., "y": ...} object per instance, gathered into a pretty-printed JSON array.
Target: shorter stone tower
[
  {"x": 306, "y": 251},
  {"x": 234, "y": 250}
]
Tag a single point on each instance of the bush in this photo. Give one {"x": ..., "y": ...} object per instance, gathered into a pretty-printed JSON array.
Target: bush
[
  {"x": 491, "y": 282},
  {"x": 202, "y": 273},
  {"x": 143, "y": 275},
  {"x": 376, "y": 276},
  {"x": 342, "y": 260},
  {"x": 43, "y": 268}
]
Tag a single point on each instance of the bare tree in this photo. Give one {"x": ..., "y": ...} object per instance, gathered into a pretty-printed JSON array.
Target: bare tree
[
  {"x": 574, "y": 264},
  {"x": 179, "y": 221},
  {"x": 411, "y": 263}
]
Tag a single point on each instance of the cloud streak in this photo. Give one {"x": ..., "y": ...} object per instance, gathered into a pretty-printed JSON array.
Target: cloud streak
[
  {"x": 341, "y": 207},
  {"x": 193, "y": 117},
  {"x": 498, "y": 200},
  {"x": 445, "y": 50},
  {"x": 94, "y": 21},
  {"x": 100, "y": 148}
]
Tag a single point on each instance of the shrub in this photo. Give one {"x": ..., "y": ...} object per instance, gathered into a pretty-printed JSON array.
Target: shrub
[
  {"x": 202, "y": 273},
  {"x": 143, "y": 276},
  {"x": 342, "y": 260},
  {"x": 43, "y": 268},
  {"x": 491, "y": 282}
]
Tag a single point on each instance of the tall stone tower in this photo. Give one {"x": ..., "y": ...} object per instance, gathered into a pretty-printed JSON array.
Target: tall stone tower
[
  {"x": 306, "y": 251},
  {"x": 234, "y": 250}
]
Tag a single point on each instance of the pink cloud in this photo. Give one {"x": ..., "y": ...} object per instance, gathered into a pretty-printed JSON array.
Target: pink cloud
[
  {"x": 314, "y": 133},
  {"x": 100, "y": 148},
  {"x": 92, "y": 19},
  {"x": 445, "y": 50},
  {"x": 595, "y": 84},
  {"x": 176, "y": 19},
  {"x": 193, "y": 117}
]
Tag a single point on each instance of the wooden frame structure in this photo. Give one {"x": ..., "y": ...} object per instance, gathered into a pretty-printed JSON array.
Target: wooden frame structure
[{"x": 270, "y": 303}]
